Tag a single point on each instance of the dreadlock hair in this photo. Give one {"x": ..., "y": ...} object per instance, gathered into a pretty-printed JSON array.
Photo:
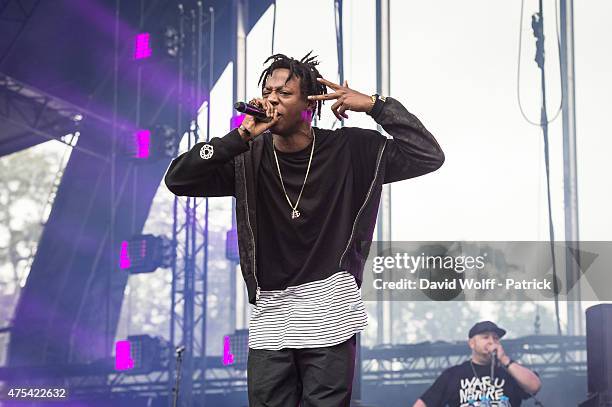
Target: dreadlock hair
[{"x": 305, "y": 69}]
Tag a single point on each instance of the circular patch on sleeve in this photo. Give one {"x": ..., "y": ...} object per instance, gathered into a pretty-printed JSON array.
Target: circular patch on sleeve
[{"x": 206, "y": 151}]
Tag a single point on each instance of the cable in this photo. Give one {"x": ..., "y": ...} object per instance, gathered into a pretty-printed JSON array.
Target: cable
[
  {"x": 538, "y": 28},
  {"x": 551, "y": 232},
  {"x": 538, "y": 31},
  {"x": 518, "y": 70}
]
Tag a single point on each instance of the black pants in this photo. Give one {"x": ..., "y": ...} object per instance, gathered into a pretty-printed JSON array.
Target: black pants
[{"x": 314, "y": 377}]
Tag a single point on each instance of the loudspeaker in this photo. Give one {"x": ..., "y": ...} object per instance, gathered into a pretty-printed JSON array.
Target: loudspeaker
[
  {"x": 598, "y": 400},
  {"x": 599, "y": 348}
]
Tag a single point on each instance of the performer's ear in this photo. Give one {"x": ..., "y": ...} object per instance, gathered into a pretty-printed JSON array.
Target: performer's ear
[
  {"x": 312, "y": 105},
  {"x": 471, "y": 343}
]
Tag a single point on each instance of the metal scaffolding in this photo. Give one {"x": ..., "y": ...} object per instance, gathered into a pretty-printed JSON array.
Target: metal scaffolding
[
  {"x": 391, "y": 365},
  {"x": 31, "y": 116},
  {"x": 190, "y": 229}
]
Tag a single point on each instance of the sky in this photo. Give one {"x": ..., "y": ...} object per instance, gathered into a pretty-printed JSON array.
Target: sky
[{"x": 454, "y": 65}]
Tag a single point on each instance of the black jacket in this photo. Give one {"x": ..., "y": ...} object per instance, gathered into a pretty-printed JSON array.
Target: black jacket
[{"x": 228, "y": 167}]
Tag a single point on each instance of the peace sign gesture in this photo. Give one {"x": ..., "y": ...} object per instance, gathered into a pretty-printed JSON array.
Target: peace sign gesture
[{"x": 346, "y": 99}]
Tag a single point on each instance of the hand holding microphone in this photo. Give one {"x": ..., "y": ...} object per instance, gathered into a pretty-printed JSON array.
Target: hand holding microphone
[
  {"x": 498, "y": 355},
  {"x": 260, "y": 116},
  {"x": 252, "y": 110}
]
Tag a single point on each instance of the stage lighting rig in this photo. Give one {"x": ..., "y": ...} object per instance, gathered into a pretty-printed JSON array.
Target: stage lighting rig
[
  {"x": 142, "y": 46},
  {"x": 162, "y": 42},
  {"x": 171, "y": 41},
  {"x": 145, "y": 253},
  {"x": 236, "y": 349},
  {"x": 146, "y": 145},
  {"x": 148, "y": 353}
]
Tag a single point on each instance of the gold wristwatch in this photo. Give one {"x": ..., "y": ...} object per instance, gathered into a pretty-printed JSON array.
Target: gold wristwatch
[{"x": 374, "y": 97}]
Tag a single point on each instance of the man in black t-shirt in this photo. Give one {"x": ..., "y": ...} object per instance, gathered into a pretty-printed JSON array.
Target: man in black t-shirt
[{"x": 471, "y": 383}]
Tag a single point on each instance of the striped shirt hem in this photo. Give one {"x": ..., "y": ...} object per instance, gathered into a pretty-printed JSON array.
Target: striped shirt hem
[{"x": 311, "y": 315}]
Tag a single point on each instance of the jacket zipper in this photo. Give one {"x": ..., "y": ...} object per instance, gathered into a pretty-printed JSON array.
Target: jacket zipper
[
  {"x": 367, "y": 198},
  {"x": 246, "y": 202}
]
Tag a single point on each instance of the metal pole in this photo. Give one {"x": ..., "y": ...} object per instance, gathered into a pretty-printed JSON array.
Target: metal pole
[
  {"x": 383, "y": 87},
  {"x": 113, "y": 169},
  {"x": 205, "y": 233},
  {"x": 190, "y": 254},
  {"x": 383, "y": 231},
  {"x": 339, "y": 44},
  {"x": 570, "y": 175},
  {"x": 173, "y": 295},
  {"x": 240, "y": 44},
  {"x": 176, "y": 273}
]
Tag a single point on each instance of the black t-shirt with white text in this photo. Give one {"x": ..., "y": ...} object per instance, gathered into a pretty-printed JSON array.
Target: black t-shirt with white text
[{"x": 457, "y": 385}]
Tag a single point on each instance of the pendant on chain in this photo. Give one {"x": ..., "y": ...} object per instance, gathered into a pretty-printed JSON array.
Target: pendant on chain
[{"x": 295, "y": 214}]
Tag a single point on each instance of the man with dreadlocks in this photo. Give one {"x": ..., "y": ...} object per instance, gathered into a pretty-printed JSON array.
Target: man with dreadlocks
[{"x": 306, "y": 206}]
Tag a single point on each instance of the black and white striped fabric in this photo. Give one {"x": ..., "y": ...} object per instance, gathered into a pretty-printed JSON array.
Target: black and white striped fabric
[{"x": 311, "y": 315}]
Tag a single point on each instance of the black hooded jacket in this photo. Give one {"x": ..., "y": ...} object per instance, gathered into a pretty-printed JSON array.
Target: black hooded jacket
[{"x": 228, "y": 167}]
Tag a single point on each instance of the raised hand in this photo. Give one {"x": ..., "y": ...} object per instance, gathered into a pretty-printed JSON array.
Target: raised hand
[
  {"x": 346, "y": 99},
  {"x": 501, "y": 354}
]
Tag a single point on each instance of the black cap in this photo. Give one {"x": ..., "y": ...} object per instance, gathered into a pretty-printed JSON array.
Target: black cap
[{"x": 486, "y": 326}]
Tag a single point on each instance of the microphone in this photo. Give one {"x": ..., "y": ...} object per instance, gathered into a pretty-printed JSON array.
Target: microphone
[
  {"x": 180, "y": 350},
  {"x": 494, "y": 359},
  {"x": 251, "y": 110}
]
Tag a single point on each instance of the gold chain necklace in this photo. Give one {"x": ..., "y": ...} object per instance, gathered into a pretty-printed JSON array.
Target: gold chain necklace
[{"x": 294, "y": 211}]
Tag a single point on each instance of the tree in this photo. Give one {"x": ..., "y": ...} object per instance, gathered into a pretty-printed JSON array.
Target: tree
[{"x": 27, "y": 178}]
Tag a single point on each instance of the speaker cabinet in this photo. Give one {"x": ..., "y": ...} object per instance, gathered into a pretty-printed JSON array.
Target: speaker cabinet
[
  {"x": 599, "y": 348},
  {"x": 598, "y": 400}
]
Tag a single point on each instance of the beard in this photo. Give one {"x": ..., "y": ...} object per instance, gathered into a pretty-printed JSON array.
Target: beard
[
  {"x": 285, "y": 129},
  {"x": 289, "y": 124},
  {"x": 486, "y": 356}
]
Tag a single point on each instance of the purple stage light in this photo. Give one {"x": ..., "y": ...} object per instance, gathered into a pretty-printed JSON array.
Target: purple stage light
[
  {"x": 236, "y": 348},
  {"x": 143, "y": 142},
  {"x": 145, "y": 253},
  {"x": 142, "y": 48},
  {"x": 236, "y": 121},
  {"x": 124, "y": 256},
  {"x": 228, "y": 358},
  {"x": 123, "y": 357},
  {"x": 149, "y": 145}
]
